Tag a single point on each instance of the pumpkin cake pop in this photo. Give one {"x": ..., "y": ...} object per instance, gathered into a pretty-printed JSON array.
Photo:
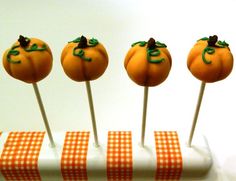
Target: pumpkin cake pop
[
  {"x": 210, "y": 60},
  {"x": 148, "y": 63},
  {"x": 84, "y": 59},
  {"x": 28, "y": 60}
]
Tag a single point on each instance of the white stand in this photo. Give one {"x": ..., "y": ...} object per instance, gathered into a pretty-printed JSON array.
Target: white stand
[{"x": 197, "y": 159}]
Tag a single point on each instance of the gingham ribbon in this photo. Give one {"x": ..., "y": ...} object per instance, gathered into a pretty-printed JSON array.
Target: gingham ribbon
[
  {"x": 169, "y": 158},
  {"x": 119, "y": 156},
  {"x": 74, "y": 156},
  {"x": 19, "y": 158}
]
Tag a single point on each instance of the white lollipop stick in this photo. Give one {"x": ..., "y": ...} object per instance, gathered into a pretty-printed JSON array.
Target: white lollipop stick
[
  {"x": 36, "y": 90},
  {"x": 196, "y": 113},
  {"x": 145, "y": 100},
  {"x": 90, "y": 99}
]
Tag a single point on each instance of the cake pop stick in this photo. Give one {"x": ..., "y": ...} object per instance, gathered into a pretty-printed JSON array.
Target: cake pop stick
[
  {"x": 145, "y": 101},
  {"x": 46, "y": 123},
  {"x": 201, "y": 92},
  {"x": 90, "y": 99},
  {"x": 209, "y": 60},
  {"x": 147, "y": 64},
  {"x": 84, "y": 60},
  {"x": 30, "y": 60}
]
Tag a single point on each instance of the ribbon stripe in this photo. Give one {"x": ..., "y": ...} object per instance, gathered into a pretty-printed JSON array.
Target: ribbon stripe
[
  {"x": 74, "y": 156},
  {"x": 169, "y": 158},
  {"x": 119, "y": 156},
  {"x": 19, "y": 158}
]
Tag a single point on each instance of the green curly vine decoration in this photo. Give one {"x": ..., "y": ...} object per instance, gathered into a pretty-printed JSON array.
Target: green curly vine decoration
[
  {"x": 152, "y": 49},
  {"x": 212, "y": 44},
  {"x": 82, "y": 43},
  {"x": 24, "y": 42}
]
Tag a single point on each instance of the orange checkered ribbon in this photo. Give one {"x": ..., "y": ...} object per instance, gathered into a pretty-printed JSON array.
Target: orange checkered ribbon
[
  {"x": 74, "y": 156},
  {"x": 119, "y": 156},
  {"x": 19, "y": 158},
  {"x": 169, "y": 158}
]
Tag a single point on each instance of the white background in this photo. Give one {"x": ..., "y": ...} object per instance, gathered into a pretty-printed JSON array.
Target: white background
[{"x": 117, "y": 100}]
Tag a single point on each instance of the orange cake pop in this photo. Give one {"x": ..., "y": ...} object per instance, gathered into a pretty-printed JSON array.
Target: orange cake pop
[
  {"x": 28, "y": 60},
  {"x": 210, "y": 60},
  {"x": 84, "y": 59},
  {"x": 148, "y": 63}
]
